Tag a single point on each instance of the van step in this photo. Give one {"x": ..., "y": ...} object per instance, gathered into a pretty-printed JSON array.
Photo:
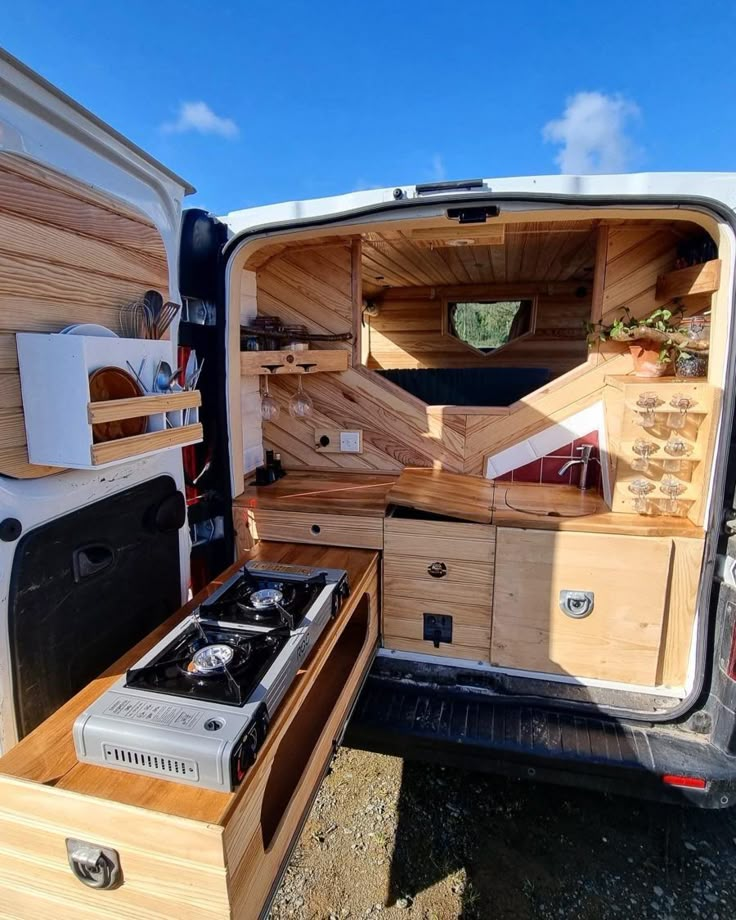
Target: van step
[{"x": 493, "y": 733}]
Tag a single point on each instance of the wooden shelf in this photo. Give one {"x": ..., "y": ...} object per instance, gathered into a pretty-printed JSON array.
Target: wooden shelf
[
  {"x": 123, "y": 448},
  {"x": 695, "y": 279},
  {"x": 113, "y": 410},
  {"x": 324, "y": 361}
]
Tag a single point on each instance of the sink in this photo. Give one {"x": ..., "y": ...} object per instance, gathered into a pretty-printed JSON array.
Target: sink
[{"x": 541, "y": 500}]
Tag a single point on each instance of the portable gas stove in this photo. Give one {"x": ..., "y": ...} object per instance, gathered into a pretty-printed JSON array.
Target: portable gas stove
[{"x": 196, "y": 708}]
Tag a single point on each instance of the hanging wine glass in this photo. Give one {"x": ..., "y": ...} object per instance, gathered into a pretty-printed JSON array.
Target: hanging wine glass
[
  {"x": 644, "y": 450},
  {"x": 640, "y": 488},
  {"x": 672, "y": 488},
  {"x": 648, "y": 402},
  {"x": 676, "y": 448},
  {"x": 300, "y": 404},
  {"x": 270, "y": 410},
  {"x": 678, "y": 420}
]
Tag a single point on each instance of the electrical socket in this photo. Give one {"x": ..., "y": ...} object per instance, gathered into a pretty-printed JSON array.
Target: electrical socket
[
  {"x": 350, "y": 442},
  {"x": 338, "y": 441}
]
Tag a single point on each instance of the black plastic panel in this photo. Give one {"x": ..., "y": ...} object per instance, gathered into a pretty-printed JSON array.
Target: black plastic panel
[{"x": 84, "y": 589}]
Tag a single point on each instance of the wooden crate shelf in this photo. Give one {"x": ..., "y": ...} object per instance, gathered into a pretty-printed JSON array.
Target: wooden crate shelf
[
  {"x": 123, "y": 448},
  {"x": 324, "y": 361},
  {"x": 113, "y": 410},
  {"x": 695, "y": 279}
]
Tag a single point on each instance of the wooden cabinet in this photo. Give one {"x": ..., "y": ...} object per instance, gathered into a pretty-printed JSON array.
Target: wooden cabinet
[
  {"x": 185, "y": 852},
  {"x": 323, "y": 529},
  {"x": 620, "y": 639},
  {"x": 438, "y": 568}
]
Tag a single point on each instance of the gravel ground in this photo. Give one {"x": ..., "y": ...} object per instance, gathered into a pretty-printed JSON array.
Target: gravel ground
[{"x": 394, "y": 839}]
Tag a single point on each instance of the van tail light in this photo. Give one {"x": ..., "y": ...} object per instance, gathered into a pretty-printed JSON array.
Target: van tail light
[{"x": 685, "y": 782}]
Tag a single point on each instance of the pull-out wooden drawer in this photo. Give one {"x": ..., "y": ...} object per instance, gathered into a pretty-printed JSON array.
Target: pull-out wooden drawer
[
  {"x": 404, "y": 620},
  {"x": 619, "y": 639},
  {"x": 440, "y": 540},
  {"x": 438, "y": 578},
  {"x": 324, "y": 529}
]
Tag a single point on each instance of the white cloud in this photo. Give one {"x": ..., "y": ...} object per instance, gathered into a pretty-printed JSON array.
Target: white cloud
[
  {"x": 199, "y": 117},
  {"x": 593, "y": 133},
  {"x": 438, "y": 167}
]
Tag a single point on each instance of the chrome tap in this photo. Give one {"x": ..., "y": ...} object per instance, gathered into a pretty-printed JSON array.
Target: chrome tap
[{"x": 583, "y": 460}]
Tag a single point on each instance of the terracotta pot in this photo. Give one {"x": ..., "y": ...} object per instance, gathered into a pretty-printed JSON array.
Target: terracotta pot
[{"x": 646, "y": 359}]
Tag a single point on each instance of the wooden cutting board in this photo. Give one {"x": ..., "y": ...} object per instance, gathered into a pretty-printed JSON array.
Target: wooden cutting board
[{"x": 468, "y": 498}]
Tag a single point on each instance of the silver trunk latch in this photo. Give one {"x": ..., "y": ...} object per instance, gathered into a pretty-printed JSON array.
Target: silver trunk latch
[
  {"x": 97, "y": 867},
  {"x": 577, "y": 604}
]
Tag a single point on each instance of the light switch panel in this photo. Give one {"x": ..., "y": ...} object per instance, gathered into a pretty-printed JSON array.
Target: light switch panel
[
  {"x": 350, "y": 442},
  {"x": 338, "y": 441}
]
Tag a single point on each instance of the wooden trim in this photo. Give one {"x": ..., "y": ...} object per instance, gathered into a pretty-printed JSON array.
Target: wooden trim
[
  {"x": 696, "y": 279},
  {"x": 326, "y": 361},
  {"x": 599, "y": 273},
  {"x": 114, "y": 410},
  {"x": 122, "y": 448},
  {"x": 356, "y": 291}
]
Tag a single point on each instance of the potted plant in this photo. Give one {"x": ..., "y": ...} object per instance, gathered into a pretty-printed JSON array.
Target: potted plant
[{"x": 655, "y": 341}]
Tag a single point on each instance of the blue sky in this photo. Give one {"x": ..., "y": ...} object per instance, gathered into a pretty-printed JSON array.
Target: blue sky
[{"x": 258, "y": 101}]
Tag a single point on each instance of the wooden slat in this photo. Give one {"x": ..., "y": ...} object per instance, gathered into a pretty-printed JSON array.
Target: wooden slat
[
  {"x": 113, "y": 410},
  {"x": 440, "y": 492},
  {"x": 325, "y": 361},
  {"x": 322, "y": 529},
  {"x": 143, "y": 443},
  {"x": 442, "y": 540},
  {"x": 697, "y": 279}
]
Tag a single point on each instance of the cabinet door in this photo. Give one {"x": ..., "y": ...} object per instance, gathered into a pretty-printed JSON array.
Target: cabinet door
[{"x": 619, "y": 640}]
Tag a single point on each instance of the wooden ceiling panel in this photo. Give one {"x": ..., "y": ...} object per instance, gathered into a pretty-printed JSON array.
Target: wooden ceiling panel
[{"x": 540, "y": 251}]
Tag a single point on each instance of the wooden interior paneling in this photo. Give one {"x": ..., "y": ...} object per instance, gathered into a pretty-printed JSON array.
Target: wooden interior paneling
[
  {"x": 410, "y": 331},
  {"x": 68, "y": 254}
]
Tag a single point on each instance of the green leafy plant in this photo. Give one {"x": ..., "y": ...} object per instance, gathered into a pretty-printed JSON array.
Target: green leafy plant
[{"x": 663, "y": 327}]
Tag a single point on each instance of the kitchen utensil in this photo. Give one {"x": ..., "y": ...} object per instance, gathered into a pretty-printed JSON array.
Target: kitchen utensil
[
  {"x": 135, "y": 320},
  {"x": 640, "y": 488},
  {"x": 648, "y": 402},
  {"x": 644, "y": 450},
  {"x": 676, "y": 449},
  {"x": 269, "y": 407},
  {"x": 154, "y": 301},
  {"x": 164, "y": 319},
  {"x": 678, "y": 420},
  {"x": 163, "y": 379},
  {"x": 672, "y": 488},
  {"x": 115, "y": 383}
]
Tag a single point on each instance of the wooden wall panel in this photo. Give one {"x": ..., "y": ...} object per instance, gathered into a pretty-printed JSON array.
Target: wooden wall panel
[
  {"x": 408, "y": 332},
  {"x": 68, "y": 254}
]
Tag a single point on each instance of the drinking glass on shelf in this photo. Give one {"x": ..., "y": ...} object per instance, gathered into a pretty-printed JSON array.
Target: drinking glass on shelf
[
  {"x": 676, "y": 448},
  {"x": 672, "y": 488},
  {"x": 300, "y": 404},
  {"x": 644, "y": 450},
  {"x": 270, "y": 410},
  {"x": 640, "y": 488},
  {"x": 647, "y": 402},
  {"x": 677, "y": 420}
]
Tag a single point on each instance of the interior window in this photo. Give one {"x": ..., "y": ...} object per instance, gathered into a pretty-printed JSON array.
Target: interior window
[{"x": 489, "y": 324}]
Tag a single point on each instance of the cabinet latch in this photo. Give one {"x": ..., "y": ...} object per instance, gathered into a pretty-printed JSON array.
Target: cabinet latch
[{"x": 94, "y": 866}]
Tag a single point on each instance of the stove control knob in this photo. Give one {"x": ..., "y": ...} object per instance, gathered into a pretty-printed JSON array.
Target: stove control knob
[{"x": 213, "y": 725}]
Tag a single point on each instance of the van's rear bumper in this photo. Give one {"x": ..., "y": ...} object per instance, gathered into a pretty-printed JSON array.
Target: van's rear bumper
[{"x": 499, "y": 735}]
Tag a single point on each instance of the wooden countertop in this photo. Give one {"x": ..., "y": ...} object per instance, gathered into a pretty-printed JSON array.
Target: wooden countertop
[
  {"x": 322, "y": 493},
  {"x": 47, "y": 755},
  {"x": 469, "y": 498}
]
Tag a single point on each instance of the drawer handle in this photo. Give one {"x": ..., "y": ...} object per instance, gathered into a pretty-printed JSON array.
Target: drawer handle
[
  {"x": 437, "y": 569},
  {"x": 316, "y": 529},
  {"x": 577, "y": 604}
]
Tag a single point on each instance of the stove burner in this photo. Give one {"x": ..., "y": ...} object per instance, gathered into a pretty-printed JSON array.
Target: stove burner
[
  {"x": 211, "y": 659},
  {"x": 266, "y": 597}
]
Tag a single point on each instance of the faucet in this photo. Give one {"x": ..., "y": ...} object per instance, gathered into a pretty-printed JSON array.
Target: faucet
[{"x": 583, "y": 460}]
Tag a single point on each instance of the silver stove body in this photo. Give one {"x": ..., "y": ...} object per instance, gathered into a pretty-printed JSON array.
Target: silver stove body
[{"x": 196, "y": 741}]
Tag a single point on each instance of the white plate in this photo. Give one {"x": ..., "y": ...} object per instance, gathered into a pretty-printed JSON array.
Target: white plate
[{"x": 92, "y": 329}]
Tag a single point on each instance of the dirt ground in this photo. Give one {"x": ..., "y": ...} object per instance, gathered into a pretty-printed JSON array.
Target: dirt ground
[{"x": 394, "y": 839}]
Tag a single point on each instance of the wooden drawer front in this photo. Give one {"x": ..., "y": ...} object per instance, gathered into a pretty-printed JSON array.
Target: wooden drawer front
[
  {"x": 463, "y": 582},
  {"x": 403, "y": 622},
  {"x": 619, "y": 641},
  {"x": 440, "y": 540},
  {"x": 325, "y": 529}
]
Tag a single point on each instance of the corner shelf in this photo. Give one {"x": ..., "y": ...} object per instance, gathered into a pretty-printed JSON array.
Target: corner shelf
[
  {"x": 695, "y": 279},
  {"x": 59, "y": 415},
  {"x": 254, "y": 363}
]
